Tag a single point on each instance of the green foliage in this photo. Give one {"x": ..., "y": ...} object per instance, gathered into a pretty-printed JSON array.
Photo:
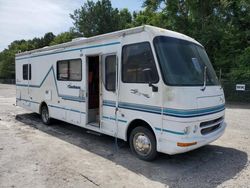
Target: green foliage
[
  {"x": 150, "y": 18},
  {"x": 64, "y": 37},
  {"x": 7, "y": 64},
  {"x": 99, "y": 18},
  {"x": 7, "y": 57},
  {"x": 222, "y": 26},
  {"x": 242, "y": 72}
]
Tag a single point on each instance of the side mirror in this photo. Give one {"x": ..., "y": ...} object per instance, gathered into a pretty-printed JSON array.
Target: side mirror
[
  {"x": 148, "y": 72},
  {"x": 154, "y": 88}
]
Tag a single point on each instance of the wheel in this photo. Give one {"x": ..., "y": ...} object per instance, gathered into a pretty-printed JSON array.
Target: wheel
[
  {"x": 143, "y": 144},
  {"x": 45, "y": 115}
]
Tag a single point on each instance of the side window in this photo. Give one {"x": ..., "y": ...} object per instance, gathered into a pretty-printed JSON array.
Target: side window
[
  {"x": 69, "y": 70},
  {"x": 27, "y": 72},
  {"x": 138, "y": 64},
  {"x": 110, "y": 73},
  {"x": 62, "y": 70}
]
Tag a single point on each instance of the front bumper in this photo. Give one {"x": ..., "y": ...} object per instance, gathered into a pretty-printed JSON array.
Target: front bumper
[{"x": 169, "y": 146}]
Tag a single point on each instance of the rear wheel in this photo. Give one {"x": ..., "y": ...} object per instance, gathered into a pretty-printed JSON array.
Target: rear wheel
[
  {"x": 143, "y": 144},
  {"x": 45, "y": 115}
]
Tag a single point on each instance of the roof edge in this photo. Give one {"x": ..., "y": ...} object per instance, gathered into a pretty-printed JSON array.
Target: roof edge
[{"x": 86, "y": 40}]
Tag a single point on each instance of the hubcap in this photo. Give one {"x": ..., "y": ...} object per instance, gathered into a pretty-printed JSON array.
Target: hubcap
[{"x": 142, "y": 144}]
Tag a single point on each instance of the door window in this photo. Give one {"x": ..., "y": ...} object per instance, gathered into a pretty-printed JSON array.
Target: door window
[{"x": 110, "y": 72}]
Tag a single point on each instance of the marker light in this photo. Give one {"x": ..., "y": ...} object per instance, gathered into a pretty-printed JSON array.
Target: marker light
[{"x": 180, "y": 144}]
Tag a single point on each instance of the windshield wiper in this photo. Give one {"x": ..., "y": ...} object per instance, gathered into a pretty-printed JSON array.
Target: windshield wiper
[{"x": 205, "y": 79}]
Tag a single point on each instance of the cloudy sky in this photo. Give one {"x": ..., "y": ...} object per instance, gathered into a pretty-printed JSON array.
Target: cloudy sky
[{"x": 26, "y": 19}]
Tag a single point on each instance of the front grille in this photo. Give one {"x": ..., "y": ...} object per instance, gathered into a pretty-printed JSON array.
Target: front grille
[
  {"x": 207, "y": 123},
  {"x": 211, "y": 126},
  {"x": 210, "y": 129}
]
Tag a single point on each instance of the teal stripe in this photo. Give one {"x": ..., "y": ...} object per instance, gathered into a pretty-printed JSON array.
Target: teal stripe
[
  {"x": 167, "y": 111},
  {"x": 70, "y": 50},
  {"x": 72, "y": 98},
  {"x": 53, "y": 106},
  {"x": 27, "y": 100},
  {"x": 111, "y": 118},
  {"x": 65, "y": 97},
  {"x": 140, "y": 107},
  {"x": 72, "y": 110},
  {"x": 123, "y": 121},
  {"x": 194, "y": 112},
  {"x": 191, "y": 111},
  {"x": 109, "y": 103},
  {"x": 169, "y": 131}
]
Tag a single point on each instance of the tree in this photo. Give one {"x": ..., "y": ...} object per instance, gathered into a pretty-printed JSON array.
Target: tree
[
  {"x": 221, "y": 26},
  {"x": 64, "y": 37},
  {"x": 241, "y": 72},
  {"x": 48, "y": 38},
  {"x": 125, "y": 19},
  {"x": 7, "y": 64},
  {"x": 99, "y": 18}
]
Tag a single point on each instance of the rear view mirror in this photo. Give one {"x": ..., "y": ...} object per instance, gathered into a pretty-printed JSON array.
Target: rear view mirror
[
  {"x": 149, "y": 76},
  {"x": 154, "y": 88}
]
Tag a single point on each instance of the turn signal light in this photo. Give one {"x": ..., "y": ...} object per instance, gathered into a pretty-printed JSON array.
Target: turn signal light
[{"x": 180, "y": 144}]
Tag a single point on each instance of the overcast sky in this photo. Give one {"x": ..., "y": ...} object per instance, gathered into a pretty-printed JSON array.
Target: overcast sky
[{"x": 26, "y": 19}]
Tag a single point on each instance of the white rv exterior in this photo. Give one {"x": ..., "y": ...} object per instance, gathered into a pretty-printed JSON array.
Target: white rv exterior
[{"x": 116, "y": 82}]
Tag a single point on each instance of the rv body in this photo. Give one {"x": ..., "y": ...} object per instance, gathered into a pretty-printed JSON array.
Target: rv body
[{"x": 115, "y": 82}]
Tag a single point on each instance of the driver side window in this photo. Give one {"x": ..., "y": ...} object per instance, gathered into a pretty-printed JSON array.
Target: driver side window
[{"x": 138, "y": 64}]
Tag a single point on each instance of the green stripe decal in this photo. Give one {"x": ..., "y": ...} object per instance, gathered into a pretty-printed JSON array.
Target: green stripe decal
[
  {"x": 113, "y": 119},
  {"x": 169, "y": 131},
  {"x": 181, "y": 113},
  {"x": 72, "y": 110},
  {"x": 65, "y": 97}
]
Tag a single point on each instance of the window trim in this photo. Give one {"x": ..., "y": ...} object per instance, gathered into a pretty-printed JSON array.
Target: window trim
[
  {"x": 106, "y": 74},
  {"x": 157, "y": 72},
  {"x": 68, "y": 60}
]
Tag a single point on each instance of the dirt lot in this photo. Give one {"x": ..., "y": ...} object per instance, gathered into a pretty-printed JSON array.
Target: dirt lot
[{"x": 63, "y": 155}]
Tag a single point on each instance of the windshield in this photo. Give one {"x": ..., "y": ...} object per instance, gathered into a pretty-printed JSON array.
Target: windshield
[{"x": 183, "y": 63}]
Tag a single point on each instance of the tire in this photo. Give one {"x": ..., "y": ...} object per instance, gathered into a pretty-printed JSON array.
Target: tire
[
  {"x": 143, "y": 144},
  {"x": 45, "y": 115}
]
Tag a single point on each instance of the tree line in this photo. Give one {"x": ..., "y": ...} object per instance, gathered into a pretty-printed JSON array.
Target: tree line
[{"x": 222, "y": 26}]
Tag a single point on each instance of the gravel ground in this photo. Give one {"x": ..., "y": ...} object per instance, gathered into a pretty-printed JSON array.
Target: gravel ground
[{"x": 63, "y": 155}]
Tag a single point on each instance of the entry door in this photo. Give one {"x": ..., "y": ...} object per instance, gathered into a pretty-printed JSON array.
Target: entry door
[
  {"x": 93, "y": 90},
  {"x": 140, "y": 91},
  {"x": 109, "y": 93}
]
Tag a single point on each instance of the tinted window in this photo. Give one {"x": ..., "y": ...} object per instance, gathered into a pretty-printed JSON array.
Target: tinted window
[
  {"x": 27, "y": 71},
  {"x": 69, "y": 70},
  {"x": 183, "y": 63},
  {"x": 110, "y": 73},
  {"x": 138, "y": 65}
]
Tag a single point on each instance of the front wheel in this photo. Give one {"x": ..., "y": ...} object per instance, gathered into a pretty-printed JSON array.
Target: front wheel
[
  {"x": 143, "y": 144},
  {"x": 45, "y": 115}
]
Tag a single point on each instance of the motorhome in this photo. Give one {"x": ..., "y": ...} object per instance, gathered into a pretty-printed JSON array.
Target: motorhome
[{"x": 152, "y": 87}]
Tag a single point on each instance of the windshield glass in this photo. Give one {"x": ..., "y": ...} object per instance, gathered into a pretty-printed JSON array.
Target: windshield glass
[{"x": 183, "y": 63}]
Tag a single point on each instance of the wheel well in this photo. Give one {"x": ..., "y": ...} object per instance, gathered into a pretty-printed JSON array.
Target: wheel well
[
  {"x": 137, "y": 123},
  {"x": 41, "y": 105}
]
